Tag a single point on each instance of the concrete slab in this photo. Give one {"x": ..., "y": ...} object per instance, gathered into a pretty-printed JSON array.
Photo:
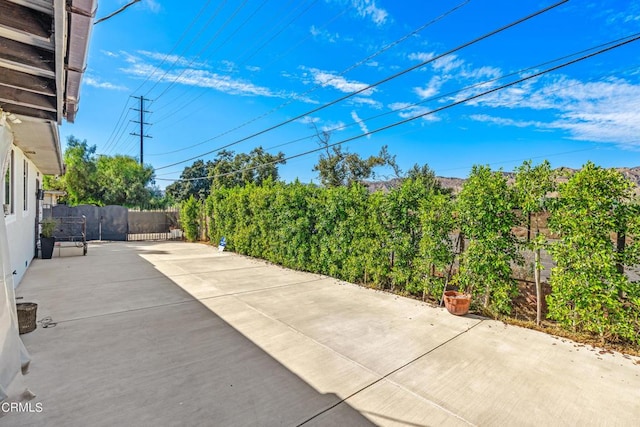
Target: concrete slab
[
  {"x": 171, "y": 333},
  {"x": 495, "y": 374}
]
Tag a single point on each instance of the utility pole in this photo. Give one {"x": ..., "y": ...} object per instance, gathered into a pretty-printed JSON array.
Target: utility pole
[{"x": 142, "y": 135}]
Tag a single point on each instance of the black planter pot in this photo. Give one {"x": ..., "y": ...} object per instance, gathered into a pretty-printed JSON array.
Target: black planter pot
[{"x": 46, "y": 247}]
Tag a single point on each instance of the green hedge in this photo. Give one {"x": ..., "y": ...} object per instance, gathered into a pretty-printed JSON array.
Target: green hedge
[{"x": 402, "y": 240}]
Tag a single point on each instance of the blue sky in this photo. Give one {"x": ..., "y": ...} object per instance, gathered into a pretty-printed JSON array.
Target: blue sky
[{"x": 220, "y": 71}]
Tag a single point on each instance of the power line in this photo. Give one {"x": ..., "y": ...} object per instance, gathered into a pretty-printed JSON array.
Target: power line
[
  {"x": 436, "y": 110},
  {"x": 175, "y": 46},
  {"x": 118, "y": 123},
  {"x": 211, "y": 18},
  {"x": 281, "y": 29},
  {"x": 464, "y": 89},
  {"x": 172, "y": 103},
  {"x": 211, "y": 40},
  {"x": 312, "y": 89},
  {"x": 368, "y": 87}
]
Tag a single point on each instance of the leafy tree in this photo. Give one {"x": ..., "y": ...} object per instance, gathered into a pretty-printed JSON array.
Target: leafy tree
[
  {"x": 193, "y": 182},
  {"x": 121, "y": 180},
  {"x": 337, "y": 167},
  {"x": 189, "y": 218},
  {"x": 102, "y": 180},
  {"x": 485, "y": 215},
  {"x": 437, "y": 251},
  {"x": 532, "y": 185},
  {"x": 79, "y": 180},
  {"x": 589, "y": 292},
  {"x": 226, "y": 170},
  {"x": 229, "y": 170},
  {"x": 427, "y": 178}
]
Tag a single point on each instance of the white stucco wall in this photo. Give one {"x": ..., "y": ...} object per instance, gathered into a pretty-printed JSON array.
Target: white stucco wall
[{"x": 21, "y": 231}]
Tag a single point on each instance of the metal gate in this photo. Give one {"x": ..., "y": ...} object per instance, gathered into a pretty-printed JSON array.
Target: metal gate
[
  {"x": 153, "y": 224},
  {"x": 122, "y": 224}
]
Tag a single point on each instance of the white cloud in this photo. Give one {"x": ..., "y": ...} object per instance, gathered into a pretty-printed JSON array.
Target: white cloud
[
  {"x": 359, "y": 100},
  {"x": 152, "y": 5},
  {"x": 369, "y": 9},
  {"x": 360, "y": 122},
  {"x": 485, "y": 72},
  {"x": 333, "y": 127},
  {"x": 168, "y": 59},
  {"x": 90, "y": 81},
  {"x": 252, "y": 68},
  {"x": 329, "y": 79},
  {"x": 109, "y": 53},
  {"x": 407, "y": 111},
  {"x": 228, "y": 66},
  {"x": 604, "y": 111},
  {"x": 431, "y": 89},
  {"x": 421, "y": 56},
  {"x": 448, "y": 63},
  {"x": 308, "y": 120},
  {"x": 202, "y": 78},
  {"x": 325, "y": 35},
  {"x": 503, "y": 121}
]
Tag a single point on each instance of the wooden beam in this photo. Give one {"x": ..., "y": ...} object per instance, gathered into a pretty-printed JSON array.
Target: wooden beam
[
  {"x": 26, "y": 38},
  {"x": 29, "y": 112},
  {"x": 28, "y": 82},
  {"x": 44, "y": 6},
  {"x": 26, "y": 20},
  {"x": 26, "y": 58},
  {"x": 23, "y": 98}
]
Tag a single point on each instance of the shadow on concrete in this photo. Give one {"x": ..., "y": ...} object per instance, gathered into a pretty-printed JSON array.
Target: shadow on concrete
[{"x": 143, "y": 361}]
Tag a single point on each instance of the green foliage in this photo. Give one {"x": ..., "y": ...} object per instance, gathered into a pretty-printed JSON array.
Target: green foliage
[
  {"x": 402, "y": 220},
  {"x": 192, "y": 182},
  {"x": 102, "y": 180},
  {"x": 402, "y": 239},
  {"x": 190, "y": 218},
  {"x": 337, "y": 167},
  {"x": 589, "y": 290},
  {"x": 485, "y": 216},
  {"x": 437, "y": 251},
  {"x": 197, "y": 180},
  {"x": 48, "y": 226},
  {"x": 532, "y": 186},
  {"x": 79, "y": 180},
  {"x": 343, "y": 231},
  {"x": 121, "y": 180}
]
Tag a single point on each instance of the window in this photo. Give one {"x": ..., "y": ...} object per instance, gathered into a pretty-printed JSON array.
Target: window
[
  {"x": 8, "y": 187},
  {"x": 25, "y": 185}
]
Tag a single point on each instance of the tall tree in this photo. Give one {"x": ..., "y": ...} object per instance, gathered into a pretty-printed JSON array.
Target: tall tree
[
  {"x": 79, "y": 180},
  {"x": 121, "y": 180},
  {"x": 485, "y": 216},
  {"x": 100, "y": 180},
  {"x": 226, "y": 170},
  {"x": 193, "y": 182},
  {"x": 229, "y": 170},
  {"x": 533, "y": 184},
  {"x": 589, "y": 292},
  {"x": 337, "y": 167}
]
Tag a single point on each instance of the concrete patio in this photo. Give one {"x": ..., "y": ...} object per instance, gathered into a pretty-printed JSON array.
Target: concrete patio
[{"x": 178, "y": 334}]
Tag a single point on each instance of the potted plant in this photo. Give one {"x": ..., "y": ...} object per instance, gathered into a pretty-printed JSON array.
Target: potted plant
[{"x": 47, "y": 239}]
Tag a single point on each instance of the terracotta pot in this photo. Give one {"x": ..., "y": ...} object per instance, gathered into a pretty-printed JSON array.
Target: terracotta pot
[{"x": 457, "y": 302}]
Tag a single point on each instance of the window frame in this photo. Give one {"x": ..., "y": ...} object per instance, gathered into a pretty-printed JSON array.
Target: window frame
[{"x": 9, "y": 185}]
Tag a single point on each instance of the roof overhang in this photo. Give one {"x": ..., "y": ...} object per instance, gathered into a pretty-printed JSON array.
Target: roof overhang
[{"x": 43, "y": 51}]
